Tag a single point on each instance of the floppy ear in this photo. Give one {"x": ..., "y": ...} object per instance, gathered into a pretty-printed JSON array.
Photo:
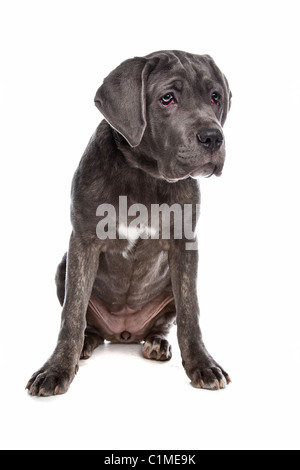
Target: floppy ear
[
  {"x": 223, "y": 80},
  {"x": 228, "y": 101},
  {"x": 122, "y": 99}
]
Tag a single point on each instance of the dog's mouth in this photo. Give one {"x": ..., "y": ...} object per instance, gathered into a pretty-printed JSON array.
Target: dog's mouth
[{"x": 205, "y": 171}]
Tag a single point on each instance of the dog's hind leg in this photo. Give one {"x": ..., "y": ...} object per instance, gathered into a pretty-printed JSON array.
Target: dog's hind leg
[
  {"x": 60, "y": 279},
  {"x": 156, "y": 346},
  {"x": 92, "y": 340}
]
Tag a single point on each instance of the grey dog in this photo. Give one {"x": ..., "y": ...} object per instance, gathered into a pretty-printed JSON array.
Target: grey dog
[{"x": 164, "y": 115}]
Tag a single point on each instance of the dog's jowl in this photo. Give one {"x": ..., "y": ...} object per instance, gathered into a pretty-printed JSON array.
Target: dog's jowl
[{"x": 131, "y": 267}]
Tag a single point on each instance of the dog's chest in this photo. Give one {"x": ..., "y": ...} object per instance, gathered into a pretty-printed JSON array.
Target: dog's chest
[
  {"x": 133, "y": 235},
  {"x": 132, "y": 273}
]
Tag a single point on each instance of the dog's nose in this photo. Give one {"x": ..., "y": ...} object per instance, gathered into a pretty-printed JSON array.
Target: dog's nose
[{"x": 211, "y": 139}]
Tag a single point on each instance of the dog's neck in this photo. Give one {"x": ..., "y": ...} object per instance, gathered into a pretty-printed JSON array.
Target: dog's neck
[{"x": 135, "y": 157}]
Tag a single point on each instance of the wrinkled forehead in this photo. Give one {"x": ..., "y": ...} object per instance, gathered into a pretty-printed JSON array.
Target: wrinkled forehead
[{"x": 174, "y": 71}]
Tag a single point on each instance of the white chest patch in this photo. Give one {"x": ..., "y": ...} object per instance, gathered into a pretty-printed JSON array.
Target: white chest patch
[{"x": 132, "y": 234}]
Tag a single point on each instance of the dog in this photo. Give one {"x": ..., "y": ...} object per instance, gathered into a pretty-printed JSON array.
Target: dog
[{"x": 122, "y": 279}]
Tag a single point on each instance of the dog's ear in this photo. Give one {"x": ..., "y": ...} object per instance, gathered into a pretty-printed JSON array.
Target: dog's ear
[
  {"x": 223, "y": 80},
  {"x": 122, "y": 99},
  {"x": 228, "y": 101}
]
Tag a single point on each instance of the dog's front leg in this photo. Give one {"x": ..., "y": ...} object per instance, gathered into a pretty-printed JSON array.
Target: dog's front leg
[
  {"x": 58, "y": 372},
  {"x": 200, "y": 367}
]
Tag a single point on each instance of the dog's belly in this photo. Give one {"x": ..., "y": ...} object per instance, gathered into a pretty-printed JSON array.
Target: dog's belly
[{"x": 127, "y": 324}]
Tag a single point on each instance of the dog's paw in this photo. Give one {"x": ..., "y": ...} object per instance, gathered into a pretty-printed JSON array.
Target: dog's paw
[
  {"x": 158, "y": 349},
  {"x": 50, "y": 380},
  {"x": 209, "y": 378}
]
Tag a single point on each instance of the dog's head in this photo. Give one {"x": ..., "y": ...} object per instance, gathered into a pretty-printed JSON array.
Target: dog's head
[{"x": 169, "y": 107}]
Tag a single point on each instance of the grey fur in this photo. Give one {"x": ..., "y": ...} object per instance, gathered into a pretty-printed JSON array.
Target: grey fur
[{"x": 148, "y": 152}]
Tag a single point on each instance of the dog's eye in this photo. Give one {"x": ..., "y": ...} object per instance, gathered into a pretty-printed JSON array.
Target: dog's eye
[
  {"x": 215, "y": 98},
  {"x": 168, "y": 99}
]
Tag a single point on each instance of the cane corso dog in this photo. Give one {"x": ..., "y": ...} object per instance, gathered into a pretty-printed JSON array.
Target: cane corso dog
[{"x": 122, "y": 279}]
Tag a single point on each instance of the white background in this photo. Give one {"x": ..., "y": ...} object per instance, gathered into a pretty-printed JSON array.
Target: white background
[{"x": 54, "y": 55}]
